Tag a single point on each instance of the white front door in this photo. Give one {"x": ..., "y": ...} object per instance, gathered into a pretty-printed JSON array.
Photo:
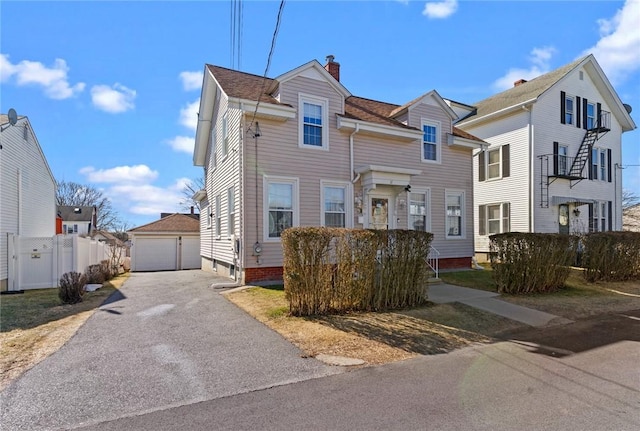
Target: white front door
[{"x": 379, "y": 207}]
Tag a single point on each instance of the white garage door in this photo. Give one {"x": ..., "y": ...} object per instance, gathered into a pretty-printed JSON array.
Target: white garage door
[
  {"x": 154, "y": 254},
  {"x": 191, "y": 253}
]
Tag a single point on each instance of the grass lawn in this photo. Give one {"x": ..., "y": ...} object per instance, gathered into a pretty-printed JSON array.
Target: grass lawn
[{"x": 35, "y": 324}]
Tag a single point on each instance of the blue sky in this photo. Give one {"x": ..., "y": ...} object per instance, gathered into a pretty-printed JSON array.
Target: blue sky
[{"x": 112, "y": 88}]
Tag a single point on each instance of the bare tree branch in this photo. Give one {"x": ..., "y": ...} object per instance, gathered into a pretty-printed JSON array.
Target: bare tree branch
[
  {"x": 630, "y": 210},
  {"x": 74, "y": 194},
  {"x": 188, "y": 191}
]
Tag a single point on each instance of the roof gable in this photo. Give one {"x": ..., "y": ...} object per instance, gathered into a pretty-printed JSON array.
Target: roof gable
[
  {"x": 430, "y": 98},
  {"x": 530, "y": 91},
  {"x": 312, "y": 70},
  {"x": 172, "y": 223},
  {"x": 76, "y": 212}
]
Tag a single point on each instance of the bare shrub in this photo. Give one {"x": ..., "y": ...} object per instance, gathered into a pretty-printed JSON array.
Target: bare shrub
[
  {"x": 71, "y": 287},
  {"x": 611, "y": 256}
]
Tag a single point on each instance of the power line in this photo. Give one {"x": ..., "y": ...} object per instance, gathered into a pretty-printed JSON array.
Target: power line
[{"x": 266, "y": 70}]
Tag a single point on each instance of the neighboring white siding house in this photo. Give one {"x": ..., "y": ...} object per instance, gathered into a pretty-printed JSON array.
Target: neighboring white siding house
[
  {"x": 27, "y": 189},
  {"x": 553, "y": 164},
  {"x": 301, "y": 150}
]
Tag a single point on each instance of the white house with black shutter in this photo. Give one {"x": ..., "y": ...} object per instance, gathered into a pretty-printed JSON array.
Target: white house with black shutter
[{"x": 553, "y": 163}]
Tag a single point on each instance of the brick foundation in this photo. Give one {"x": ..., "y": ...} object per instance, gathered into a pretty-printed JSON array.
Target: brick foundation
[
  {"x": 455, "y": 263},
  {"x": 272, "y": 273}
]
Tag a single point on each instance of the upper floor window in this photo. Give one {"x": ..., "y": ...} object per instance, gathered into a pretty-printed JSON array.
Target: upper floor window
[
  {"x": 313, "y": 127},
  {"x": 455, "y": 213},
  {"x": 563, "y": 168},
  {"x": 603, "y": 165},
  {"x": 209, "y": 215},
  {"x": 214, "y": 145},
  {"x": 591, "y": 115},
  {"x": 334, "y": 201},
  {"x": 419, "y": 213},
  {"x": 430, "y": 141},
  {"x": 594, "y": 163},
  {"x": 281, "y": 205},
  {"x": 568, "y": 109},
  {"x": 225, "y": 136},
  {"x": 495, "y": 163}
]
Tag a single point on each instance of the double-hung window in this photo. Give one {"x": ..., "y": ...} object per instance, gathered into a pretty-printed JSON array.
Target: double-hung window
[
  {"x": 493, "y": 166},
  {"x": 455, "y": 213},
  {"x": 334, "y": 204},
  {"x": 563, "y": 168},
  {"x": 494, "y": 218},
  {"x": 208, "y": 214},
  {"x": 313, "y": 127},
  {"x": 568, "y": 110},
  {"x": 419, "y": 211},
  {"x": 430, "y": 141},
  {"x": 281, "y": 205},
  {"x": 214, "y": 145},
  {"x": 603, "y": 165},
  {"x": 591, "y": 116},
  {"x": 231, "y": 211},
  {"x": 494, "y": 163},
  {"x": 218, "y": 216},
  {"x": 594, "y": 163},
  {"x": 225, "y": 136}
]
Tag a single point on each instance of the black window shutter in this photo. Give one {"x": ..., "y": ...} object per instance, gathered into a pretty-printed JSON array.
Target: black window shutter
[
  {"x": 555, "y": 158},
  {"x": 590, "y": 161},
  {"x": 608, "y": 164},
  {"x": 599, "y": 113},
  {"x": 610, "y": 215},
  {"x": 584, "y": 113},
  {"x": 506, "y": 213},
  {"x": 481, "y": 167},
  {"x": 506, "y": 161},
  {"x": 577, "y": 112},
  {"x": 563, "y": 96},
  {"x": 591, "y": 229},
  {"x": 482, "y": 213}
]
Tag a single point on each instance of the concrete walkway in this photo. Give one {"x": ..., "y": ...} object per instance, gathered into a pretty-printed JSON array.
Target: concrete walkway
[{"x": 488, "y": 301}]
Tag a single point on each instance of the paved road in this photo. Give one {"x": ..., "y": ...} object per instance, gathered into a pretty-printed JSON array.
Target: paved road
[
  {"x": 166, "y": 340},
  {"x": 502, "y": 387}
]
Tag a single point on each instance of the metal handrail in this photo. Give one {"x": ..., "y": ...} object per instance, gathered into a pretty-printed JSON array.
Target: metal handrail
[{"x": 432, "y": 260}]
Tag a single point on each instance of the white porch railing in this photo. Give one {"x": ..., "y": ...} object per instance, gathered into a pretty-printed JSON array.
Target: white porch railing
[{"x": 432, "y": 260}]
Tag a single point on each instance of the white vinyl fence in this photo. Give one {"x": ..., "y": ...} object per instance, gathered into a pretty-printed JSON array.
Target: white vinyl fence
[{"x": 36, "y": 263}]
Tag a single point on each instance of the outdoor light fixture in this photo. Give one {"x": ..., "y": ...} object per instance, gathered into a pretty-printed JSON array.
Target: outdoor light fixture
[
  {"x": 407, "y": 188},
  {"x": 257, "y": 133},
  {"x": 576, "y": 212}
]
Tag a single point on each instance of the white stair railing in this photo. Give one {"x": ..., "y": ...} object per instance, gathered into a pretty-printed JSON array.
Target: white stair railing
[{"x": 432, "y": 260}]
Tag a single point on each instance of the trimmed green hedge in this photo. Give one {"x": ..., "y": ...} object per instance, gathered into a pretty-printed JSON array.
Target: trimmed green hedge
[
  {"x": 531, "y": 262},
  {"x": 611, "y": 256},
  {"x": 334, "y": 270}
]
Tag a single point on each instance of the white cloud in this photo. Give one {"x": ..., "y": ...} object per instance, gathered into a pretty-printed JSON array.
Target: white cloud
[
  {"x": 189, "y": 115},
  {"x": 440, "y": 9},
  {"x": 147, "y": 199},
  {"x": 53, "y": 80},
  {"x": 618, "y": 50},
  {"x": 183, "y": 144},
  {"x": 120, "y": 174},
  {"x": 114, "y": 99},
  {"x": 540, "y": 64},
  {"x": 191, "y": 80}
]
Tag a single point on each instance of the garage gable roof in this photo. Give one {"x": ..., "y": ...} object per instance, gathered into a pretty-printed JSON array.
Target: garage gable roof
[{"x": 172, "y": 223}]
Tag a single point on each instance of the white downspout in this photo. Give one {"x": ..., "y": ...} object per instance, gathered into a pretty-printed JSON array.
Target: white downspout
[
  {"x": 353, "y": 179},
  {"x": 531, "y": 178}
]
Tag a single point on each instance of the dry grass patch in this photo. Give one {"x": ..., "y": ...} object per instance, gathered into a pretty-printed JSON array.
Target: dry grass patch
[
  {"x": 33, "y": 325},
  {"x": 376, "y": 338}
]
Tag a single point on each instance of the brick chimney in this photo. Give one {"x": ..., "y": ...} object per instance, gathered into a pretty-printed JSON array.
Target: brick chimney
[
  {"x": 332, "y": 67},
  {"x": 519, "y": 82}
]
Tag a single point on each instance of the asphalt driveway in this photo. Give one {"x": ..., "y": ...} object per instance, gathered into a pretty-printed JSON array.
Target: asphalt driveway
[{"x": 165, "y": 339}]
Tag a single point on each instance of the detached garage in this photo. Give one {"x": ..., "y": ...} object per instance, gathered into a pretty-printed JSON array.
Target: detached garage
[{"x": 169, "y": 244}]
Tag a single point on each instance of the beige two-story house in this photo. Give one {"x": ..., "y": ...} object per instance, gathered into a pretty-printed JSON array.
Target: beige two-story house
[{"x": 301, "y": 150}]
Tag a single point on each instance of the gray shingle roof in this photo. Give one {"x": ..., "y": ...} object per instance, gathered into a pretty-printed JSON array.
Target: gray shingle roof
[
  {"x": 173, "y": 223},
  {"x": 523, "y": 92},
  {"x": 69, "y": 213}
]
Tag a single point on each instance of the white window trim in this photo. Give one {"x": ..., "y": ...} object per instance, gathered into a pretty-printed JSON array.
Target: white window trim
[
  {"x": 595, "y": 114},
  {"x": 488, "y": 162},
  {"x": 602, "y": 164},
  {"x": 218, "y": 216},
  {"x": 595, "y": 162},
  {"x": 438, "y": 143},
  {"x": 324, "y": 102},
  {"x": 208, "y": 214},
  {"x": 567, "y": 168},
  {"x": 573, "y": 109},
  {"x": 266, "y": 180},
  {"x": 231, "y": 210},
  {"x": 225, "y": 137},
  {"x": 463, "y": 210},
  {"x": 427, "y": 202},
  {"x": 348, "y": 200},
  {"x": 214, "y": 147},
  {"x": 500, "y": 219}
]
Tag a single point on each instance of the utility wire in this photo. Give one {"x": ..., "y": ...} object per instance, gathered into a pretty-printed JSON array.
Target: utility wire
[{"x": 266, "y": 70}]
